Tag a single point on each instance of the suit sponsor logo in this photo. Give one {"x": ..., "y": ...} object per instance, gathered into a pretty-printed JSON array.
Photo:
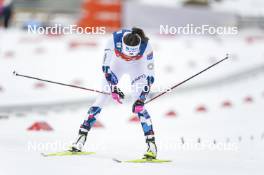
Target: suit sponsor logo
[
  {"x": 150, "y": 66},
  {"x": 150, "y": 56},
  {"x": 138, "y": 78}
]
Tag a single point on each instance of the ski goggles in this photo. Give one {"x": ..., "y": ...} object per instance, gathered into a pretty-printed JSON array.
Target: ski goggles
[{"x": 130, "y": 50}]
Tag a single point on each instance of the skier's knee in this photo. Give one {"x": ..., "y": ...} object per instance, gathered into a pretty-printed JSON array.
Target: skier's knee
[
  {"x": 93, "y": 111},
  {"x": 143, "y": 114}
]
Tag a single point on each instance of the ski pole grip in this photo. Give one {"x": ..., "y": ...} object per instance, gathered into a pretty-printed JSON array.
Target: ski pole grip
[{"x": 15, "y": 73}]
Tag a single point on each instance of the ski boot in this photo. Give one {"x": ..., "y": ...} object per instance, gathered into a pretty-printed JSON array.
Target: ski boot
[
  {"x": 152, "y": 148},
  {"x": 78, "y": 145}
]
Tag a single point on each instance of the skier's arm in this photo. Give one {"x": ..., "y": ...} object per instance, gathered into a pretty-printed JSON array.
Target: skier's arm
[
  {"x": 138, "y": 106},
  {"x": 149, "y": 59},
  {"x": 149, "y": 71},
  {"x": 108, "y": 55},
  {"x": 110, "y": 76}
]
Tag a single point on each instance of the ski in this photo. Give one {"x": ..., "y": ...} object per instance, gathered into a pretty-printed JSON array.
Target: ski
[
  {"x": 142, "y": 161},
  {"x": 66, "y": 153}
]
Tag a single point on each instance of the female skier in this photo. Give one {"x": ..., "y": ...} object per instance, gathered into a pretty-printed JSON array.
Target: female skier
[{"x": 128, "y": 52}]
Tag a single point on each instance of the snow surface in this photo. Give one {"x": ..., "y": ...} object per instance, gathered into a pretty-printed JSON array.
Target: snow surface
[{"x": 231, "y": 137}]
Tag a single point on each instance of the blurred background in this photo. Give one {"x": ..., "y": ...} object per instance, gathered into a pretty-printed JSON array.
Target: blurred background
[{"x": 222, "y": 106}]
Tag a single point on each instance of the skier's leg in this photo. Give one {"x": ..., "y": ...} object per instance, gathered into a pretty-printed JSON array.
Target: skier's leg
[
  {"x": 140, "y": 92},
  {"x": 147, "y": 127},
  {"x": 95, "y": 109},
  {"x": 92, "y": 114}
]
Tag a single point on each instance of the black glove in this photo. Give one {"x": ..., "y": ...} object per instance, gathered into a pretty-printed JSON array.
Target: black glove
[{"x": 117, "y": 94}]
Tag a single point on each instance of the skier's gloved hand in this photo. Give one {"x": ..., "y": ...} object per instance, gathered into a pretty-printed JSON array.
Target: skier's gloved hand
[
  {"x": 138, "y": 106},
  {"x": 117, "y": 94}
]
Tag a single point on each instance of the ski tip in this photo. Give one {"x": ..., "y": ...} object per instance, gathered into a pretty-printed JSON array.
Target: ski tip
[
  {"x": 227, "y": 55},
  {"x": 116, "y": 160},
  {"x": 43, "y": 154}
]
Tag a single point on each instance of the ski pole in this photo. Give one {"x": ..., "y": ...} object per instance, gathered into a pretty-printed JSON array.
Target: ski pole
[
  {"x": 63, "y": 84},
  {"x": 171, "y": 88}
]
